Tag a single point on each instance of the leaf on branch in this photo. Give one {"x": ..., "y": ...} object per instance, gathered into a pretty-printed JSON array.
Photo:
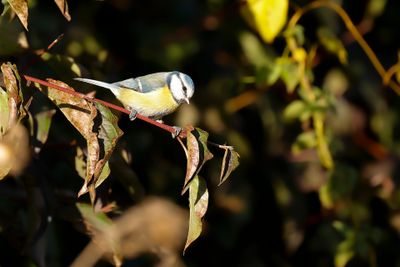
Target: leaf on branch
[
  {"x": 63, "y": 6},
  {"x": 230, "y": 162},
  {"x": 197, "y": 153},
  {"x": 198, "y": 204},
  {"x": 12, "y": 83},
  {"x": 20, "y": 7},
  {"x": 267, "y": 16},
  {"x": 96, "y": 123}
]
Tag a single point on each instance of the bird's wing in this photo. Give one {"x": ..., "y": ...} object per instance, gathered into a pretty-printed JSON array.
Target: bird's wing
[{"x": 145, "y": 84}]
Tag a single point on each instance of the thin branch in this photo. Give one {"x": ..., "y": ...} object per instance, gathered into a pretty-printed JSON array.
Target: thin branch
[
  {"x": 110, "y": 105},
  {"x": 352, "y": 29}
]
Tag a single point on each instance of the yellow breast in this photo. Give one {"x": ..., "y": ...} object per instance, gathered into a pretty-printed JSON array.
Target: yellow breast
[{"x": 155, "y": 104}]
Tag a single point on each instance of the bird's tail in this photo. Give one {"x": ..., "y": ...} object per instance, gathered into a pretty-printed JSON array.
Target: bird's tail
[{"x": 114, "y": 88}]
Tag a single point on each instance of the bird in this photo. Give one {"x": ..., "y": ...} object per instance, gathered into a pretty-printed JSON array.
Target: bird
[{"x": 153, "y": 95}]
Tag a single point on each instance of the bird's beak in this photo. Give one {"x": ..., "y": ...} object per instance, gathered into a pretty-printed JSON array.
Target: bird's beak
[{"x": 187, "y": 100}]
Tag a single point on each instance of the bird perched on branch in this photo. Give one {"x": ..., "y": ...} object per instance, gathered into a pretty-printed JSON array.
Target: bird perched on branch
[{"x": 154, "y": 95}]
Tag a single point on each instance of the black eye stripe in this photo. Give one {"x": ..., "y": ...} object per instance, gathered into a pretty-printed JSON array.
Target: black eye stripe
[{"x": 183, "y": 86}]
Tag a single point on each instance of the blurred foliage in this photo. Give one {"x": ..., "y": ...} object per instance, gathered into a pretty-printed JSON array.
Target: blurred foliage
[{"x": 306, "y": 92}]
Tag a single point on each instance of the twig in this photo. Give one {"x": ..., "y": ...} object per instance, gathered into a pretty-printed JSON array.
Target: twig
[
  {"x": 352, "y": 29},
  {"x": 110, "y": 105}
]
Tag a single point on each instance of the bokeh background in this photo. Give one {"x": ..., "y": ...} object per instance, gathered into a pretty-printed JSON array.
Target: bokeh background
[{"x": 270, "y": 211}]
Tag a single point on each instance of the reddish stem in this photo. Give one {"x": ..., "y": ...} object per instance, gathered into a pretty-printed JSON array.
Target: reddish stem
[{"x": 110, "y": 105}]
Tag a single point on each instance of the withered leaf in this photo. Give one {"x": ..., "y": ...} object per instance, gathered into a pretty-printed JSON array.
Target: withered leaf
[
  {"x": 197, "y": 153},
  {"x": 229, "y": 163},
  {"x": 12, "y": 82},
  {"x": 20, "y": 7},
  {"x": 63, "y": 6}
]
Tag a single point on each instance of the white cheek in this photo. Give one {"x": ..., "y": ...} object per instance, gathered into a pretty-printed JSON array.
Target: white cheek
[{"x": 176, "y": 88}]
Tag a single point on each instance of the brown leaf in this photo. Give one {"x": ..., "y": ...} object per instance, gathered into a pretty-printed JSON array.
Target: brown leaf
[
  {"x": 197, "y": 153},
  {"x": 229, "y": 163},
  {"x": 63, "y": 6},
  {"x": 13, "y": 90},
  {"x": 20, "y": 7}
]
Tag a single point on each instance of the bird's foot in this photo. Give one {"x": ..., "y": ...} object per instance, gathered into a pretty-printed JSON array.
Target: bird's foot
[
  {"x": 177, "y": 131},
  {"x": 133, "y": 114}
]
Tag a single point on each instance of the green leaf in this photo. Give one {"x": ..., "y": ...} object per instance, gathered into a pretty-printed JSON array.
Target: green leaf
[
  {"x": 20, "y": 7},
  {"x": 255, "y": 52},
  {"x": 332, "y": 44},
  {"x": 230, "y": 162},
  {"x": 267, "y": 16},
  {"x": 294, "y": 110},
  {"x": 322, "y": 144},
  {"x": 197, "y": 153},
  {"x": 289, "y": 73},
  {"x": 345, "y": 251},
  {"x": 304, "y": 140},
  {"x": 4, "y": 112},
  {"x": 42, "y": 126},
  {"x": 198, "y": 204}
]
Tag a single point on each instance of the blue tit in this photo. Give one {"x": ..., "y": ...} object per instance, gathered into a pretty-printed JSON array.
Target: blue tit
[{"x": 154, "y": 95}]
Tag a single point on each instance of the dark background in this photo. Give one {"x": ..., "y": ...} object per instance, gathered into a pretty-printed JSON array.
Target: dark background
[{"x": 269, "y": 212}]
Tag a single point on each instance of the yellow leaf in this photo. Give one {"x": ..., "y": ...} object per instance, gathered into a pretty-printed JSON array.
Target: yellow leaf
[{"x": 269, "y": 16}]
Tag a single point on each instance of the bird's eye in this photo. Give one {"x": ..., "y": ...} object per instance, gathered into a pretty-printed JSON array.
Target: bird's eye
[{"x": 184, "y": 89}]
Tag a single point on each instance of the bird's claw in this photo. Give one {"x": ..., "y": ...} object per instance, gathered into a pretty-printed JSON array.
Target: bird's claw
[
  {"x": 177, "y": 131},
  {"x": 133, "y": 114}
]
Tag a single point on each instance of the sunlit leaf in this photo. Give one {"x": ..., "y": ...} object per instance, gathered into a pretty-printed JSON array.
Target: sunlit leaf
[
  {"x": 63, "y": 6},
  {"x": 345, "y": 250},
  {"x": 230, "y": 162},
  {"x": 322, "y": 144},
  {"x": 20, "y": 7},
  {"x": 42, "y": 122},
  {"x": 198, "y": 203},
  {"x": 198, "y": 153},
  {"x": 294, "y": 110},
  {"x": 267, "y": 16},
  {"x": 332, "y": 43},
  {"x": 305, "y": 140}
]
